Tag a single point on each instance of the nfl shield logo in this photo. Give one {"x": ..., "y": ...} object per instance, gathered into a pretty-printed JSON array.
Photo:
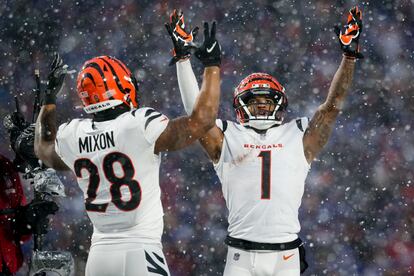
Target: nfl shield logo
[{"x": 236, "y": 256}]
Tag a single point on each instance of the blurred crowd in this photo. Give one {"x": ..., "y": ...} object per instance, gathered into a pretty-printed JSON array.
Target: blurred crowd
[{"x": 357, "y": 213}]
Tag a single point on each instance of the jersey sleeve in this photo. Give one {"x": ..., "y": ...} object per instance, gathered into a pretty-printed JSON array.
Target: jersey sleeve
[
  {"x": 151, "y": 123},
  {"x": 59, "y": 138},
  {"x": 63, "y": 135},
  {"x": 188, "y": 85},
  {"x": 221, "y": 124}
]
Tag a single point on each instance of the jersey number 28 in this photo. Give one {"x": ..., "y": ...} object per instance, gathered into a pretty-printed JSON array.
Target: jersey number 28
[{"x": 116, "y": 182}]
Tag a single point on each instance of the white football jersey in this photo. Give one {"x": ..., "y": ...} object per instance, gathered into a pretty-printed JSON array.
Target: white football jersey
[
  {"x": 118, "y": 172},
  {"x": 263, "y": 179}
]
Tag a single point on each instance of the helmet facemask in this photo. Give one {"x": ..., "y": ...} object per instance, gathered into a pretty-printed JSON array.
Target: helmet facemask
[{"x": 261, "y": 108}]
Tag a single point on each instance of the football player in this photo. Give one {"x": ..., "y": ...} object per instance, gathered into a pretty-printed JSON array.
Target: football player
[
  {"x": 263, "y": 162},
  {"x": 116, "y": 156}
]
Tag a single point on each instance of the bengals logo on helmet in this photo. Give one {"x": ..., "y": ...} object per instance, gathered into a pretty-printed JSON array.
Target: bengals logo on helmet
[{"x": 105, "y": 82}]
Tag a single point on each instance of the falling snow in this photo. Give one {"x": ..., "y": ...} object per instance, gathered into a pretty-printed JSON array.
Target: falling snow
[{"x": 357, "y": 212}]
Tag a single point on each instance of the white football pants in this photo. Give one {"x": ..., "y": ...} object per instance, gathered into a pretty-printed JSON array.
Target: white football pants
[
  {"x": 131, "y": 259},
  {"x": 262, "y": 263}
]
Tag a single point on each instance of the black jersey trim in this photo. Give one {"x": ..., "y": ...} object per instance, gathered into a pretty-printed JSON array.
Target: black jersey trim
[
  {"x": 149, "y": 112},
  {"x": 225, "y": 125},
  {"x": 299, "y": 124},
  {"x": 150, "y": 119}
]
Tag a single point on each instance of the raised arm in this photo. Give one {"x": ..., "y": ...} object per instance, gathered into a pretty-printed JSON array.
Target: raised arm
[
  {"x": 183, "y": 131},
  {"x": 323, "y": 121},
  {"x": 45, "y": 132},
  {"x": 187, "y": 82},
  {"x": 212, "y": 141}
]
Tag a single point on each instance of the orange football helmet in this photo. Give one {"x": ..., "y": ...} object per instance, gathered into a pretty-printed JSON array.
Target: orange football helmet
[
  {"x": 105, "y": 82},
  {"x": 260, "y": 84}
]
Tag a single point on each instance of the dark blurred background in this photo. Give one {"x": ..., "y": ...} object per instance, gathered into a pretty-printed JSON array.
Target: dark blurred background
[{"x": 357, "y": 212}]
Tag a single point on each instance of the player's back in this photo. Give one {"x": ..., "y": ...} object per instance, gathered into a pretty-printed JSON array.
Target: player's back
[
  {"x": 262, "y": 177},
  {"x": 118, "y": 172}
]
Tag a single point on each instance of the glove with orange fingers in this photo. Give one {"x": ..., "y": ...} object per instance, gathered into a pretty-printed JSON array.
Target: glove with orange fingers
[
  {"x": 183, "y": 41},
  {"x": 349, "y": 35}
]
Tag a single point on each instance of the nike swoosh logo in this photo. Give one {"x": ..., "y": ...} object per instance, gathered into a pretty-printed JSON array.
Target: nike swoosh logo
[
  {"x": 212, "y": 47},
  {"x": 287, "y": 257}
]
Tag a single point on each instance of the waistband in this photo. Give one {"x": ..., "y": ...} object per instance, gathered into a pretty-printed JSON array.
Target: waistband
[{"x": 248, "y": 245}]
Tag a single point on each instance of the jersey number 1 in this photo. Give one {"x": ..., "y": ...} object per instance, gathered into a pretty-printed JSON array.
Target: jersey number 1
[
  {"x": 116, "y": 182},
  {"x": 266, "y": 163}
]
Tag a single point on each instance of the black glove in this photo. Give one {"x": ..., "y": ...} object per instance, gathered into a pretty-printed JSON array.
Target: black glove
[
  {"x": 15, "y": 121},
  {"x": 32, "y": 218},
  {"x": 15, "y": 124},
  {"x": 209, "y": 53},
  {"x": 56, "y": 77},
  {"x": 24, "y": 146},
  {"x": 349, "y": 36},
  {"x": 183, "y": 41}
]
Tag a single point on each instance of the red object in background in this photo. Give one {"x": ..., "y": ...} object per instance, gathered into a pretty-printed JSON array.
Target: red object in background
[{"x": 11, "y": 197}]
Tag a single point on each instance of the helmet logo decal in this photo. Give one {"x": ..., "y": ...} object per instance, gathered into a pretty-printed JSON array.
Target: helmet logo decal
[
  {"x": 257, "y": 85},
  {"x": 108, "y": 94},
  {"x": 83, "y": 94}
]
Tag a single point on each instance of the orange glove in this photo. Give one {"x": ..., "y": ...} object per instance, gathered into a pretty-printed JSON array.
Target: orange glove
[
  {"x": 350, "y": 33},
  {"x": 183, "y": 41}
]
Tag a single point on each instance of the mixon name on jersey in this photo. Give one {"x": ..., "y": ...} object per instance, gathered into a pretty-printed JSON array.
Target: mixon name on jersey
[{"x": 96, "y": 142}]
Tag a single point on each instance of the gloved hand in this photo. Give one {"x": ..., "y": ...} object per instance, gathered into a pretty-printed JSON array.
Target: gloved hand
[
  {"x": 32, "y": 218},
  {"x": 209, "y": 53},
  {"x": 349, "y": 35},
  {"x": 16, "y": 125},
  {"x": 183, "y": 41},
  {"x": 24, "y": 146},
  {"x": 56, "y": 77},
  {"x": 15, "y": 122}
]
